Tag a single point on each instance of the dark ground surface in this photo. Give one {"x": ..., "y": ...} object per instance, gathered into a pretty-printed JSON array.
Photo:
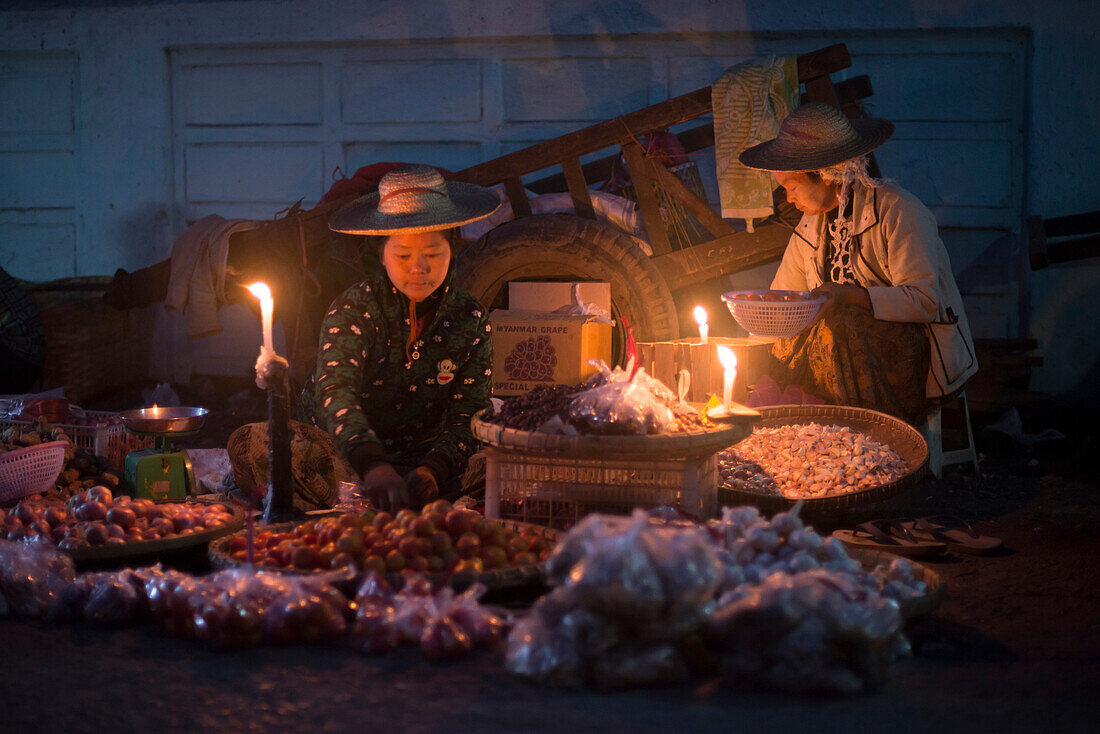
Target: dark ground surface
[{"x": 1015, "y": 646}]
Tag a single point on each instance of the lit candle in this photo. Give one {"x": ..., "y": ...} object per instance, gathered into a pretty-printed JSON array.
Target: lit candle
[
  {"x": 267, "y": 310},
  {"x": 701, "y": 319},
  {"x": 729, "y": 373}
]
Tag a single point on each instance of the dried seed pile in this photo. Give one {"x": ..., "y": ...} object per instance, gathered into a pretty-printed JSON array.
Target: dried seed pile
[
  {"x": 529, "y": 411},
  {"x": 808, "y": 460}
]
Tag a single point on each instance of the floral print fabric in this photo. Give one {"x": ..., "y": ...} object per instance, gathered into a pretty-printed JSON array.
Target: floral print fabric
[{"x": 416, "y": 403}]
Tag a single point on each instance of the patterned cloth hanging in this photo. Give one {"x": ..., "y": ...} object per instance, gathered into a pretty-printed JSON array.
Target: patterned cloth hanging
[{"x": 749, "y": 101}]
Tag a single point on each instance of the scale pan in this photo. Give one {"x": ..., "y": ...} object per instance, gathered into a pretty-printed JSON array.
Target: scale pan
[{"x": 164, "y": 420}]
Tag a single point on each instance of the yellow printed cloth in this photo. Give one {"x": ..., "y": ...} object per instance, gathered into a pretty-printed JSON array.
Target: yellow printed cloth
[{"x": 750, "y": 99}]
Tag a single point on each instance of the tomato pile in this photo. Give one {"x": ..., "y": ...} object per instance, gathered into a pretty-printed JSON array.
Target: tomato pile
[
  {"x": 440, "y": 538},
  {"x": 97, "y": 517}
]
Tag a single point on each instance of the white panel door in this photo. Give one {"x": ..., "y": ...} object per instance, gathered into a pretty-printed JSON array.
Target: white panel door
[{"x": 39, "y": 196}]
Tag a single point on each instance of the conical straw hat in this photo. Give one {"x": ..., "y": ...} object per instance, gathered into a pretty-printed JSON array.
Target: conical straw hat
[
  {"x": 817, "y": 136},
  {"x": 415, "y": 199}
]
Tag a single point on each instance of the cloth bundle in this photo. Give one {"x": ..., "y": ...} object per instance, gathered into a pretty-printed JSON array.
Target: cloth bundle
[
  {"x": 197, "y": 283},
  {"x": 316, "y": 465}
]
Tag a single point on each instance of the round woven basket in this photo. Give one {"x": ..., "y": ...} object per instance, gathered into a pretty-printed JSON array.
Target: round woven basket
[
  {"x": 895, "y": 433},
  {"x": 782, "y": 319},
  {"x": 686, "y": 444},
  {"x": 30, "y": 470},
  {"x": 918, "y": 606},
  {"x": 500, "y": 578}
]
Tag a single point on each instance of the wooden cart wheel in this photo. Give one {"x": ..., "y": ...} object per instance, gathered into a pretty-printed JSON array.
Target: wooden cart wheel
[{"x": 563, "y": 247}]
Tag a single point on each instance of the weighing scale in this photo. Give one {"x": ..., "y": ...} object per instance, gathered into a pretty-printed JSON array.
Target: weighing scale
[{"x": 162, "y": 473}]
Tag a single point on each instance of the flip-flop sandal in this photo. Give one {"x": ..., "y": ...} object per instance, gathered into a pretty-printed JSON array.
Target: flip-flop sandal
[
  {"x": 887, "y": 535},
  {"x": 958, "y": 535}
]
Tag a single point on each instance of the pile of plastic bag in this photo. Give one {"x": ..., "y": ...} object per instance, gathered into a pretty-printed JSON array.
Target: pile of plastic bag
[
  {"x": 618, "y": 402},
  {"x": 643, "y": 601},
  {"x": 614, "y": 402},
  {"x": 241, "y": 608},
  {"x": 629, "y": 594},
  {"x": 443, "y": 625}
]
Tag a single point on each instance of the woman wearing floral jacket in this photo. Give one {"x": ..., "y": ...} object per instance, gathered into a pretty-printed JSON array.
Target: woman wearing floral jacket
[{"x": 405, "y": 357}]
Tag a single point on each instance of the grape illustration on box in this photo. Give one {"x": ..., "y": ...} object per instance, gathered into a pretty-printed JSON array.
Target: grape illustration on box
[{"x": 532, "y": 359}]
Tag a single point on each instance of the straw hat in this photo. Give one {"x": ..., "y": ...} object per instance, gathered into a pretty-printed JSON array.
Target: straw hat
[
  {"x": 817, "y": 136},
  {"x": 415, "y": 199}
]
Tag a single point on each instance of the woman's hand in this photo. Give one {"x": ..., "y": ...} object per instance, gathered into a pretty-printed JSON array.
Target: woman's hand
[
  {"x": 843, "y": 295},
  {"x": 385, "y": 488},
  {"x": 422, "y": 485}
]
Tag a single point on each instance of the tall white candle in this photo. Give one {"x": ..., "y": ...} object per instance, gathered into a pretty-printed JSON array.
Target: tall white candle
[
  {"x": 701, "y": 319},
  {"x": 729, "y": 372},
  {"x": 267, "y": 311}
]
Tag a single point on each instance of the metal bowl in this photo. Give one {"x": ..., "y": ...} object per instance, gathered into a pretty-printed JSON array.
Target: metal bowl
[{"x": 164, "y": 420}]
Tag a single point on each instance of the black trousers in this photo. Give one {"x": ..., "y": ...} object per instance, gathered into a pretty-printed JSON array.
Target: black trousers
[{"x": 17, "y": 375}]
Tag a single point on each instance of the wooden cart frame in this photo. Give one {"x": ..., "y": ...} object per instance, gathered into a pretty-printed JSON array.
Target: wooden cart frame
[{"x": 728, "y": 251}]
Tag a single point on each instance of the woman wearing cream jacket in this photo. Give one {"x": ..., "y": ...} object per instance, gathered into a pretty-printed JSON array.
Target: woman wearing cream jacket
[{"x": 893, "y": 333}]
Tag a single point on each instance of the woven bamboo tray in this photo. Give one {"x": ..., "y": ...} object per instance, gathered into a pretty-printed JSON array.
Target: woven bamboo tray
[
  {"x": 686, "y": 444},
  {"x": 500, "y": 578},
  {"x": 92, "y": 348},
  {"x": 897, "y": 434},
  {"x": 910, "y": 608},
  {"x": 145, "y": 548}
]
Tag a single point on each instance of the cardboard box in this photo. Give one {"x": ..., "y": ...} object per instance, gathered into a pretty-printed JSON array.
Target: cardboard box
[
  {"x": 543, "y": 296},
  {"x": 532, "y": 348}
]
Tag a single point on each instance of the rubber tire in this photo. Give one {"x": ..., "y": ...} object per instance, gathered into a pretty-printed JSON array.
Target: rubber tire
[{"x": 563, "y": 247}]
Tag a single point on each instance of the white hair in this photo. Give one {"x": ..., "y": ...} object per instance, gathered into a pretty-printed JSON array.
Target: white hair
[
  {"x": 845, "y": 175},
  {"x": 848, "y": 173}
]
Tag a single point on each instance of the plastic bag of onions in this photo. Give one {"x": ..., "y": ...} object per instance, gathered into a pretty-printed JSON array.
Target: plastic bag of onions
[
  {"x": 445, "y": 626},
  {"x": 32, "y": 577}
]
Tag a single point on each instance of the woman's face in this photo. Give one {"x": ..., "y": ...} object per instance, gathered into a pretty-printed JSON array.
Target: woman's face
[
  {"x": 417, "y": 263},
  {"x": 809, "y": 194}
]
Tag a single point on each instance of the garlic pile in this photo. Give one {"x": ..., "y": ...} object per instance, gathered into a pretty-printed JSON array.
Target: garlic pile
[
  {"x": 795, "y": 612},
  {"x": 807, "y": 461},
  {"x": 752, "y": 548}
]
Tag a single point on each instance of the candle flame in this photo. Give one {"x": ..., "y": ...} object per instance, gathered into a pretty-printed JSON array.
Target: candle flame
[
  {"x": 261, "y": 291},
  {"x": 727, "y": 357},
  {"x": 700, "y": 315}
]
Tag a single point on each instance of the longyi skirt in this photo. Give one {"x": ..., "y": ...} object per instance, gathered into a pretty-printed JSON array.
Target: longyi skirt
[{"x": 848, "y": 357}]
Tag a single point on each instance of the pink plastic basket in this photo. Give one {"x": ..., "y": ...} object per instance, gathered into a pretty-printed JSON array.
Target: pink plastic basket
[
  {"x": 775, "y": 318},
  {"x": 31, "y": 469}
]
